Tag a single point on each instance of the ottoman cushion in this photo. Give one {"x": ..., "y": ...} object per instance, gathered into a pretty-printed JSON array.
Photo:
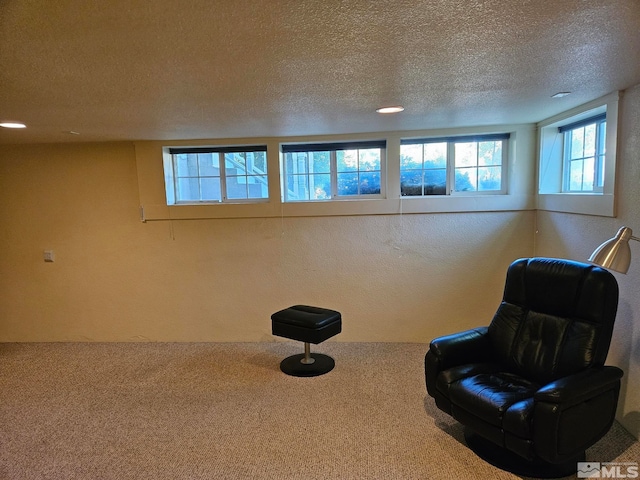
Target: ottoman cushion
[{"x": 306, "y": 324}]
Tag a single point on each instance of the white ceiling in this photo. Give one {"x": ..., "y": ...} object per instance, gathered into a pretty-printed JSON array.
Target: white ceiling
[{"x": 175, "y": 69}]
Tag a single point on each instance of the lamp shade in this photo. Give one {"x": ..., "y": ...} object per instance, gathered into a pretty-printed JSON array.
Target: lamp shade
[{"x": 614, "y": 254}]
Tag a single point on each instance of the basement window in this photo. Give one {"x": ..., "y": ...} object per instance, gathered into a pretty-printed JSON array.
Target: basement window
[
  {"x": 577, "y": 159},
  {"x": 358, "y": 175},
  {"x": 333, "y": 171},
  {"x": 584, "y": 153},
  {"x": 454, "y": 165},
  {"x": 216, "y": 175}
]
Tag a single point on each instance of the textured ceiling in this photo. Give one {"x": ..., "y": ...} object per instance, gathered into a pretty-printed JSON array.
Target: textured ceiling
[{"x": 170, "y": 69}]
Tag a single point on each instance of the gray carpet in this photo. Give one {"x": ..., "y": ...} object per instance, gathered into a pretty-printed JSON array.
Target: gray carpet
[{"x": 224, "y": 410}]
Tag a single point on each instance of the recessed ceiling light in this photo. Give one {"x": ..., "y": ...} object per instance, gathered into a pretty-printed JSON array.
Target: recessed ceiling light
[
  {"x": 12, "y": 125},
  {"x": 395, "y": 109},
  {"x": 560, "y": 94}
]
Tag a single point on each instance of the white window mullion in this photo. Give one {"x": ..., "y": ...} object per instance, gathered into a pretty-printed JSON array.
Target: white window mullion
[
  {"x": 223, "y": 177},
  {"x": 599, "y": 159},
  {"x": 451, "y": 167},
  {"x": 566, "y": 149},
  {"x": 503, "y": 170},
  {"x": 383, "y": 173},
  {"x": 333, "y": 169},
  {"x": 176, "y": 186},
  {"x": 477, "y": 185}
]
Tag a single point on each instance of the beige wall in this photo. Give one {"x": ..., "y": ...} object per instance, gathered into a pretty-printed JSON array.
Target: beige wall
[
  {"x": 394, "y": 277},
  {"x": 576, "y": 236}
]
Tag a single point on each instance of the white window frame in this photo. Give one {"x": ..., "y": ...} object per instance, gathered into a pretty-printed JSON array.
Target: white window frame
[
  {"x": 552, "y": 196},
  {"x": 598, "y": 158},
  {"x": 172, "y": 178},
  {"x": 151, "y": 155},
  {"x": 332, "y": 148},
  {"x": 451, "y": 167}
]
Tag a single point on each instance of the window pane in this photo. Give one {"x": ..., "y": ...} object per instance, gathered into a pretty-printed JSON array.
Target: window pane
[
  {"x": 257, "y": 186},
  {"x": 208, "y": 164},
  {"x": 435, "y": 182},
  {"x": 588, "y": 174},
  {"x": 577, "y": 143},
  {"x": 489, "y": 178},
  {"x": 187, "y": 164},
  {"x": 347, "y": 184},
  {"x": 236, "y": 187},
  {"x": 301, "y": 162},
  {"x": 288, "y": 186},
  {"x": 369, "y": 183},
  {"x": 210, "y": 188},
  {"x": 411, "y": 182},
  {"x": 188, "y": 189},
  {"x": 490, "y": 153},
  {"x": 256, "y": 162},
  {"x": 590, "y": 140},
  {"x": 347, "y": 160},
  {"x": 600, "y": 177},
  {"x": 466, "y": 179},
  {"x": 369, "y": 159},
  {"x": 466, "y": 154},
  {"x": 410, "y": 157},
  {"x": 435, "y": 155},
  {"x": 320, "y": 186},
  {"x": 319, "y": 162},
  {"x": 298, "y": 187},
  {"x": 235, "y": 163},
  {"x": 431, "y": 179},
  {"x": 308, "y": 187},
  {"x": 575, "y": 175}
]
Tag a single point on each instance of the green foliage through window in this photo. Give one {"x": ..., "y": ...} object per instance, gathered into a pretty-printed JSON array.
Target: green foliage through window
[
  {"x": 316, "y": 172},
  {"x": 477, "y": 164}
]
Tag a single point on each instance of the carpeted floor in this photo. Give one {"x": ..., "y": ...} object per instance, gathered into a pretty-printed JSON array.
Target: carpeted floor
[{"x": 225, "y": 411}]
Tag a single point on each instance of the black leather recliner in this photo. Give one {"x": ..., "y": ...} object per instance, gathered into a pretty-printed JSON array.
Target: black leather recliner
[{"x": 531, "y": 388}]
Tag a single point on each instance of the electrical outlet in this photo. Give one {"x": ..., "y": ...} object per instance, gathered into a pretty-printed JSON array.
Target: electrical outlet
[{"x": 49, "y": 256}]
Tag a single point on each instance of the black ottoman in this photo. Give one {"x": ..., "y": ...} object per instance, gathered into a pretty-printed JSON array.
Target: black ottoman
[{"x": 309, "y": 325}]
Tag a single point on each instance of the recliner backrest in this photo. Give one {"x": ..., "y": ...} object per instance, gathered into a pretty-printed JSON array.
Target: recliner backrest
[{"x": 556, "y": 318}]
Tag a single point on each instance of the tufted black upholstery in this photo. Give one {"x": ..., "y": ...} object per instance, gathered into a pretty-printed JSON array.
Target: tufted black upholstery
[{"x": 534, "y": 382}]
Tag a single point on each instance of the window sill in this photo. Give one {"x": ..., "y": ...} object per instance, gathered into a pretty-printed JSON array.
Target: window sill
[
  {"x": 582, "y": 203},
  {"x": 403, "y": 205}
]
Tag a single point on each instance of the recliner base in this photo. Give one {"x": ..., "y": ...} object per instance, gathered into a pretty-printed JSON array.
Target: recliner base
[{"x": 511, "y": 462}]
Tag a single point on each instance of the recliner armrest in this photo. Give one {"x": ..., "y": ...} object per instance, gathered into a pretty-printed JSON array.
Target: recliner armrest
[
  {"x": 470, "y": 346},
  {"x": 574, "y": 412},
  {"x": 579, "y": 387}
]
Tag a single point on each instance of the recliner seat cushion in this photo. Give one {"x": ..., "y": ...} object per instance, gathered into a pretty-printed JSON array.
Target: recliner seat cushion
[
  {"x": 490, "y": 396},
  {"x": 454, "y": 374}
]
